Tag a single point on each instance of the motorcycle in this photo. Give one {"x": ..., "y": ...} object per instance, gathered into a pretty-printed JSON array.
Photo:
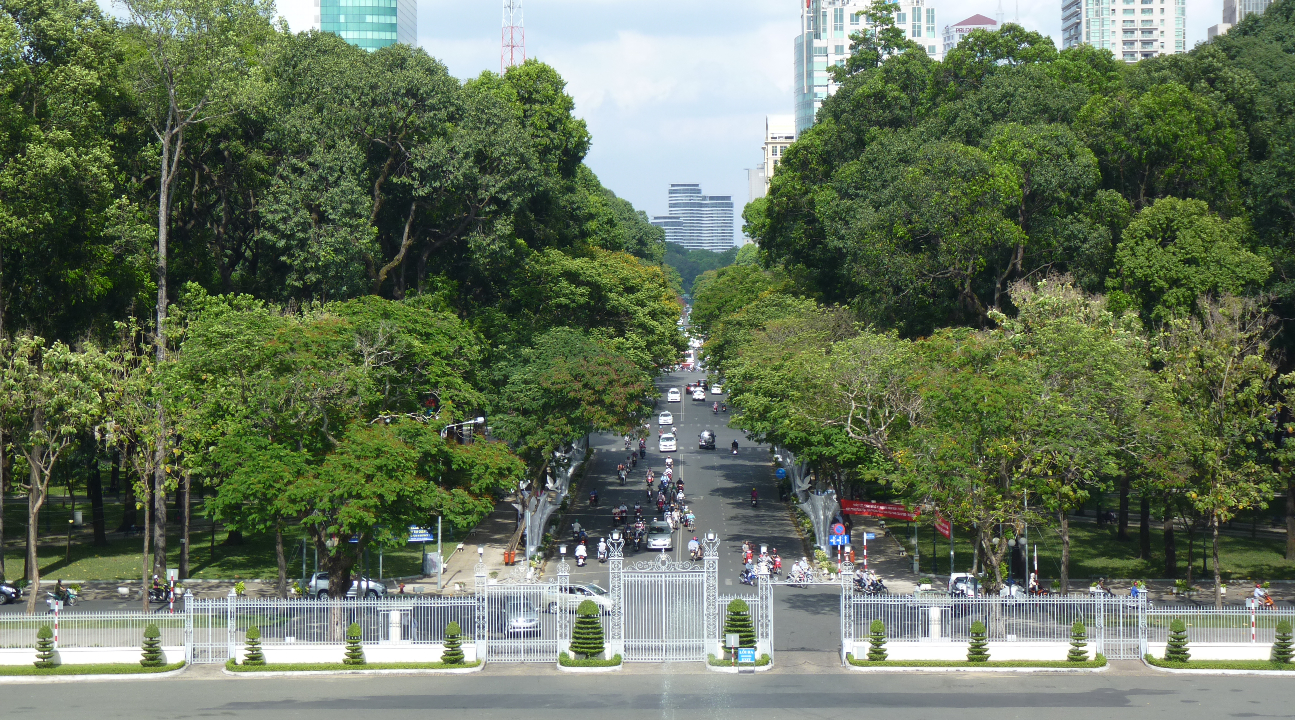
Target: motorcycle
[
  {"x": 747, "y": 577},
  {"x": 734, "y": 446},
  {"x": 580, "y": 560},
  {"x": 714, "y": 409},
  {"x": 602, "y": 553},
  {"x": 621, "y": 474},
  {"x": 68, "y": 596},
  {"x": 754, "y": 501},
  {"x": 158, "y": 594},
  {"x": 642, "y": 451},
  {"x": 9, "y": 593},
  {"x": 593, "y": 498}
]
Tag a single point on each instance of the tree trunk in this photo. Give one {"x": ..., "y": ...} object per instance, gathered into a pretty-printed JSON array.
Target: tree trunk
[
  {"x": 172, "y": 142},
  {"x": 129, "y": 510},
  {"x": 1191, "y": 549},
  {"x": 1290, "y": 518},
  {"x": 1122, "y": 531},
  {"x": 234, "y": 538},
  {"x": 2, "y": 485},
  {"x": 94, "y": 488},
  {"x": 1171, "y": 549},
  {"x": 184, "y": 525},
  {"x": 114, "y": 480},
  {"x": 35, "y": 498},
  {"x": 148, "y": 522},
  {"x": 1065, "y": 551},
  {"x": 1218, "y": 579},
  {"x": 159, "y": 525},
  {"x": 1144, "y": 527},
  {"x": 282, "y": 561}
]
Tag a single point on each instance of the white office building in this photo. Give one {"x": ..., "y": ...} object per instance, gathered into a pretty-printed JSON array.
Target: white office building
[
  {"x": 824, "y": 41},
  {"x": 953, "y": 34},
  {"x": 1131, "y": 29},
  {"x": 697, "y": 221},
  {"x": 779, "y": 133}
]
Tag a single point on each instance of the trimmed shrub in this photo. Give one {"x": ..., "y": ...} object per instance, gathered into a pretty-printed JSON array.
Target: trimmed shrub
[
  {"x": 587, "y": 635},
  {"x": 1282, "y": 646},
  {"x": 453, "y": 654},
  {"x": 152, "y": 648},
  {"x": 354, "y": 651},
  {"x": 738, "y": 620},
  {"x": 1078, "y": 643},
  {"x": 253, "y": 655},
  {"x": 44, "y": 647},
  {"x": 877, "y": 641},
  {"x": 978, "y": 651},
  {"x": 1176, "y": 650}
]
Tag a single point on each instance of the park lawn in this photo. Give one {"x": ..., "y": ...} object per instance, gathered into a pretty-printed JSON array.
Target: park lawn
[
  {"x": 1094, "y": 552},
  {"x": 104, "y": 669}
]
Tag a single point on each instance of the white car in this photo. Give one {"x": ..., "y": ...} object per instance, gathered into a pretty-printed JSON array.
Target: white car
[
  {"x": 672, "y": 395},
  {"x": 665, "y": 418},
  {"x": 667, "y": 443},
  {"x": 659, "y": 535},
  {"x": 717, "y": 389},
  {"x": 699, "y": 394}
]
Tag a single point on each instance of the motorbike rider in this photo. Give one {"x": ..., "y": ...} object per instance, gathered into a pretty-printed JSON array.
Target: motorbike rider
[
  {"x": 754, "y": 496},
  {"x": 734, "y": 446},
  {"x": 581, "y": 553},
  {"x": 1032, "y": 586},
  {"x": 1261, "y": 596},
  {"x": 60, "y": 592},
  {"x": 694, "y": 548},
  {"x": 602, "y": 548}
]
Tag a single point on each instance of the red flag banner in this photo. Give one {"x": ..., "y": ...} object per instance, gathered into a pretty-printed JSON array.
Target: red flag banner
[
  {"x": 876, "y": 509},
  {"x": 942, "y": 526}
]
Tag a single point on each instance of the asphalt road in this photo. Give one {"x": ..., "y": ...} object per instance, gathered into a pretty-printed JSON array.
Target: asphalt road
[{"x": 501, "y": 692}]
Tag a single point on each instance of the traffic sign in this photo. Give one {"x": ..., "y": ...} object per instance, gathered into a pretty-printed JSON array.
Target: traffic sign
[
  {"x": 835, "y": 540},
  {"x": 746, "y": 655},
  {"x": 781, "y": 473},
  {"x": 421, "y": 535},
  {"x": 838, "y": 529},
  {"x": 870, "y": 536}
]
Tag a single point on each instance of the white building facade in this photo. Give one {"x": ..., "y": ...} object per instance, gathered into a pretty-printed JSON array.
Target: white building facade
[
  {"x": 1233, "y": 12},
  {"x": 1131, "y": 29},
  {"x": 953, "y": 34},
  {"x": 824, "y": 41},
  {"x": 695, "y": 220},
  {"x": 779, "y": 134}
]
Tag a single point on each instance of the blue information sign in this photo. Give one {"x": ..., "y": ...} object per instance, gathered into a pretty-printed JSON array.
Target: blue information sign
[
  {"x": 870, "y": 536},
  {"x": 746, "y": 655},
  {"x": 838, "y": 540},
  {"x": 421, "y": 535}
]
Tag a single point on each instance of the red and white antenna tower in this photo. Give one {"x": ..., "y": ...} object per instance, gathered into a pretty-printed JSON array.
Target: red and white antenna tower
[{"x": 513, "y": 47}]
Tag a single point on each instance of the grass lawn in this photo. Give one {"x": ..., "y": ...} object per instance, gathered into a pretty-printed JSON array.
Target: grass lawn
[
  {"x": 1094, "y": 552},
  {"x": 568, "y": 661},
  {"x": 1099, "y": 661},
  {"x": 1222, "y": 665},
  {"x": 726, "y": 662},
  {"x": 107, "y": 669},
  {"x": 333, "y": 667},
  {"x": 122, "y": 558}
]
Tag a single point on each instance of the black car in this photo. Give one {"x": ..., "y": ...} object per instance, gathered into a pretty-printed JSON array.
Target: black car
[{"x": 706, "y": 440}]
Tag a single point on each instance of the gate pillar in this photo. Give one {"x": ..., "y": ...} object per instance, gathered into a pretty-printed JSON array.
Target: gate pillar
[
  {"x": 847, "y": 609},
  {"x": 710, "y": 558},
  {"x": 564, "y": 599},
  {"x": 482, "y": 635},
  {"x": 764, "y": 593},
  {"x": 616, "y": 629}
]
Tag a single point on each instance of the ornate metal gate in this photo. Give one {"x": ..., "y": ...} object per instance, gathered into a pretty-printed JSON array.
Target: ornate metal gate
[
  {"x": 518, "y": 622},
  {"x": 663, "y": 610}
]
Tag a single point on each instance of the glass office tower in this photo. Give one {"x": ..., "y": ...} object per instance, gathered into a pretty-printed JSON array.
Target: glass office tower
[{"x": 371, "y": 24}]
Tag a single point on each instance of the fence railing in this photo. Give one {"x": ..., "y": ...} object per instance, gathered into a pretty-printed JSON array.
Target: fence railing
[
  {"x": 414, "y": 619},
  {"x": 92, "y": 630},
  {"x": 1218, "y": 625}
]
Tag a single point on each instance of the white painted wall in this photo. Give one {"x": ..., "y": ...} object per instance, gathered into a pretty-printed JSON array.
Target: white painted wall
[
  {"x": 958, "y": 650},
  {"x": 87, "y": 656},
  {"x": 1218, "y": 651},
  {"x": 309, "y": 653}
]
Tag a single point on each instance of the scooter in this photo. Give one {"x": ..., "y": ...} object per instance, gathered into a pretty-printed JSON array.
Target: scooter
[
  {"x": 580, "y": 561},
  {"x": 68, "y": 598},
  {"x": 602, "y": 554},
  {"x": 622, "y": 477},
  {"x": 747, "y": 577},
  {"x": 754, "y": 502},
  {"x": 593, "y": 498}
]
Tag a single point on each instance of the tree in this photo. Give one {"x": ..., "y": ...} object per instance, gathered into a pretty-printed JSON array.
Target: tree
[
  {"x": 1078, "y": 643},
  {"x": 45, "y": 647},
  {"x": 737, "y": 621},
  {"x": 152, "y": 655},
  {"x": 453, "y": 654},
  {"x": 1282, "y": 645},
  {"x": 978, "y": 650},
  {"x": 1176, "y": 649},
  {"x": 587, "y": 635},
  {"x": 354, "y": 650},
  {"x": 877, "y": 642},
  {"x": 254, "y": 656},
  {"x": 49, "y": 395}
]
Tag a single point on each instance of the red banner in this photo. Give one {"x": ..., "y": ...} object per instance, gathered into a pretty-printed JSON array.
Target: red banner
[
  {"x": 942, "y": 526},
  {"x": 876, "y": 509}
]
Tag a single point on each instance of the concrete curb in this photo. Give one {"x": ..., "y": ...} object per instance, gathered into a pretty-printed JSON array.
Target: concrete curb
[
  {"x": 573, "y": 669},
  {"x": 390, "y": 671},
  {"x": 1220, "y": 671},
  {"x": 90, "y": 678},
  {"x": 962, "y": 669},
  {"x": 739, "y": 669}
]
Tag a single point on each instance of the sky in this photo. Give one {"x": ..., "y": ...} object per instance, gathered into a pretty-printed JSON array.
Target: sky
[{"x": 673, "y": 91}]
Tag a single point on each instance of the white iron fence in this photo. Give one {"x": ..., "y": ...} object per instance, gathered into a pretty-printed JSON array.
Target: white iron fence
[
  {"x": 92, "y": 630},
  {"x": 1215, "y": 625}
]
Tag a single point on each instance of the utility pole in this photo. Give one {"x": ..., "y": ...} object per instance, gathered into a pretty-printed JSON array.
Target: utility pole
[{"x": 513, "y": 39}]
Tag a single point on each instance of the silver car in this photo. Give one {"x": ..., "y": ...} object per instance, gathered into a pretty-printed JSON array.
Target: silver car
[
  {"x": 660, "y": 536},
  {"x": 318, "y": 587},
  {"x": 576, "y": 593},
  {"x": 521, "y": 617}
]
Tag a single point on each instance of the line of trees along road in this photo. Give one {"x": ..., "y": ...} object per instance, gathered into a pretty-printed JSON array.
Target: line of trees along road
[
  {"x": 272, "y": 268},
  {"x": 1007, "y": 281}
]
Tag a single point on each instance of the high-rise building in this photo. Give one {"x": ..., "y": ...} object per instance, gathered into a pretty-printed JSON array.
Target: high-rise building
[
  {"x": 953, "y": 34},
  {"x": 369, "y": 24},
  {"x": 824, "y": 41},
  {"x": 697, "y": 221},
  {"x": 779, "y": 133},
  {"x": 1234, "y": 11},
  {"x": 1131, "y": 29}
]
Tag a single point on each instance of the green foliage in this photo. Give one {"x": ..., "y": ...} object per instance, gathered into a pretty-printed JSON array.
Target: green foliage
[
  {"x": 453, "y": 654},
  {"x": 1282, "y": 645},
  {"x": 354, "y": 650},
  {"x": 253, "y": 654},
  {"x": 587, "y": 635},
  {"x": 44, "y": 647},
  {"x": 978, "y": 650},
  {"x": 152, "y": 649},
  {"x": 567, "y": 661},
  {"x": 1078, "y": 643},
  {"x": 737, "y": 619},
  {"x": 690, "y": 264},
  {"x": 1176, "y": 648},
  {"x": 877, "y": 641}
]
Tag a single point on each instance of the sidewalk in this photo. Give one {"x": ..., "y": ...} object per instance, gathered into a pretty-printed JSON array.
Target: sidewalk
[{"x": 884, "y": 557}]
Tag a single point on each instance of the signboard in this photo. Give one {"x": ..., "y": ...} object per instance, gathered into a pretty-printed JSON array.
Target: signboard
[
  {"x": 835, "y": 540},
  {"x": 421, "y": 535},
  {"x": 876, "y": 509},
  {"x": 746, "y": 655},
  {"x": 781, "y": 473},
  {"x": 942, "y": 526},
  {"x": 870, "y": 536},
  {"x": 838, "y": 529}
]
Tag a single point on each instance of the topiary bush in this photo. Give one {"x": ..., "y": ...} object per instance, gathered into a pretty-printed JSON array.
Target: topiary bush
[
  {"x": 354, "y": 650},
  {"x": 253, "y": 655},
  {"x": 152, "y": 648},
  {"x": 877, "y": 641},
  {"x": 978, "y": 651},
  {"x": 1282, "y": 646},
  {"x": 587, "y": 635},
  {"x": 1176, "y": 650},
  {"x": 1078, "y": 643},
  {"x": 44, "y": 647},
  {"x": 738, "y": 620},
  {"x": 453, "y": 654}
]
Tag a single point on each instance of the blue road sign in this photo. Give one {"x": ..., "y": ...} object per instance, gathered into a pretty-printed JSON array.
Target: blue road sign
[
  {"x": 421, "y": 535},
  {"x": 781, "y": 473},
  {"x": 838, "y": 539},
  {"x": 870, "y": 536},
  {"x": 746, "y": 655}
]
